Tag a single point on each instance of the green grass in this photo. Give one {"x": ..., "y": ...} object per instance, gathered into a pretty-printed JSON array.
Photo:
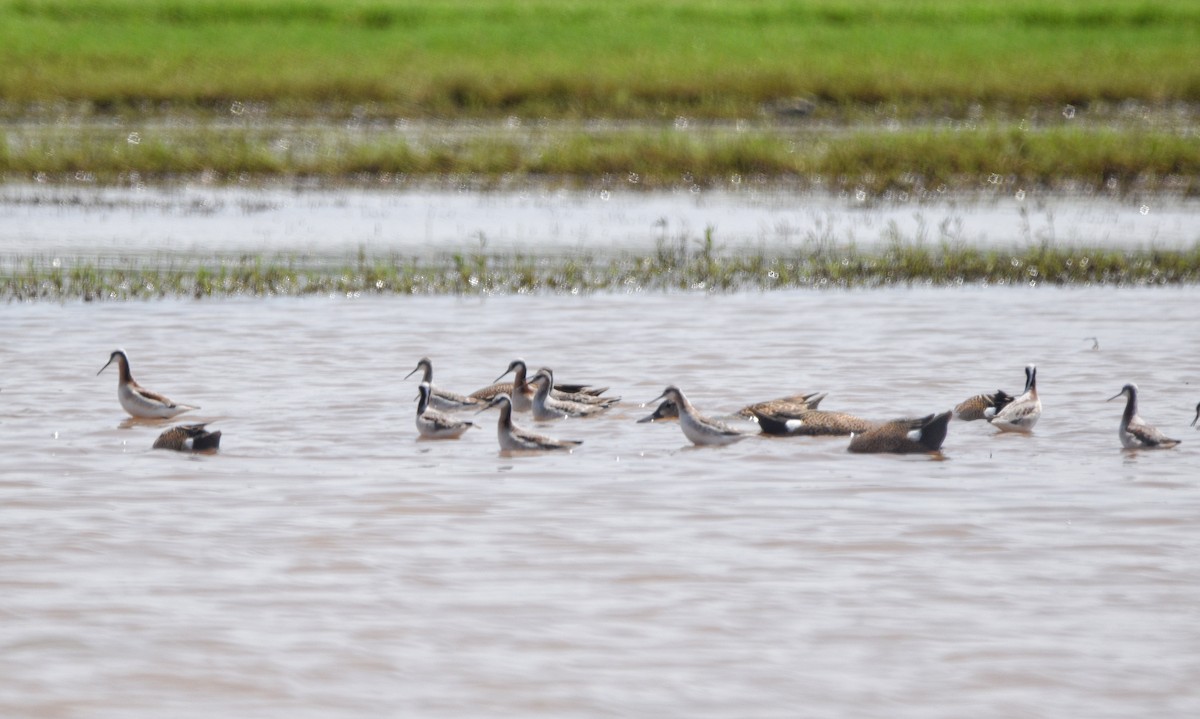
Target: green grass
[
  {"x": 581, "y": 58},
  {"x": 679, "y": 264},
  {"x": 871, "y": 160}
]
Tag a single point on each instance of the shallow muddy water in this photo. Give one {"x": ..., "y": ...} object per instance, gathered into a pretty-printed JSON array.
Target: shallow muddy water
[
  {"x": 48, "y": 220},
  {"x": 326, "y": 563}
]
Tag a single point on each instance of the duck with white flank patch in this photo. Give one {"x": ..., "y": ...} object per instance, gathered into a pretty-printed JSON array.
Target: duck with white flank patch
[
  {"x": 1133, "y": 430},
  {"x": 904, "y": 436},
  {"x": 982, "y": 406},
  {"x": 1023, "y": 412},
  {"x": 189, "y": 438},
  {"x": 136, "y": 399},
  {"x": 700, "y": 430},
  {"x": 811, "y": 423},
  {"x": 548, "y": 407},
  {"x": 432, "y": 424},
  {"x": 790, "y": 404},
  {"x": 516, "y": 439},
  {"x": 440, "y": 399}
]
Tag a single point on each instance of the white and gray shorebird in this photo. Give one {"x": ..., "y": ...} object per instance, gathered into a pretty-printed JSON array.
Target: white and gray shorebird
[
  {"x": 1022, "y": 413},
  {"x": 546, "y": 406},
  {"x": 136, "y": 399},
  {"x": 1133, "y": 430},
  {"x": 516, "y": 439},
  {"x": 441, "y": 399},
  {"x": 432, "y": 424},
  {"x": 699, "y": 430},
  {"x": 521, "y": 393}
]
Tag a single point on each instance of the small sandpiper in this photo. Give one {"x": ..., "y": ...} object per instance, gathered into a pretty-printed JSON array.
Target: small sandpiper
[
  {"x": 1133, "y": 430},
  {"x": 515, "y": 439},
  {"x": 982, "y": 406},
  {"x": 811, "y": 423},
  {"x": 136, "y": 399},
  {"x": 441, "y": 399},
  {"x": 904, "y": 436},
  {"x": 521, "y": 393},
  {"x": 700, "y": 430},
  {"x": 189, "y": 438},
  {"x": 1023, "y": 412},
  {"x": 792, "y": 403},
  {"x": 432, "y": 424},
  {"x": 547, "y": 407}
]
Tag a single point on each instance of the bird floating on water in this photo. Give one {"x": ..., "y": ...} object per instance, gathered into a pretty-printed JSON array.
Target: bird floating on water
[
  {"x": 790, "y": 404},
  {"x": 521, "y": 393},
  {"x": 700, "y": 430},
  {"x": 136, "y": 399},
  {"x": 811, "y": 423},
  {"x": 189, "y": 438},
  {"x": 1133, "y": 430},
  {"x": 982, "y": 406},
  {"x": 546, "y": 406},
  {"x": 431, "y": 423},
  {"x": 904, "y": 436},
  {"x": 1021, "y": 414},
  {"x": 441, "y": 399},
  {"x": 516, "y": 439}
]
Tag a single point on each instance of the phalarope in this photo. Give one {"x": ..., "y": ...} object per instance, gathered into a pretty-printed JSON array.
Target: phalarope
[
  {"x": 136, "y": 399},
  {"x": 431, "y": 423},
  {"x": 546, "y": 406},
  {"x": 792, "y": 403},
  {"x": 811, "y": 423},
  {"x": 904, "y": 436},
  {"x": 700, "y": 430},
  {"x": 441, "y": 399},
  {"x": 1023, "y": 412},
  {"x": 515, "y": 439},
  {"x": 1133, "y": 430},
  {"x": 982, "y": 406},
  {"x": 521, "y": 394},
  {"x": 189, "y": 438}
]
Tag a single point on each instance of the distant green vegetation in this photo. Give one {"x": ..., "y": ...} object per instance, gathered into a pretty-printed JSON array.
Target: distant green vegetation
[
  {"x": 641, "y": 158},
  {"x": 685, "y": 265},
  {"x": 648, "y": 59}
]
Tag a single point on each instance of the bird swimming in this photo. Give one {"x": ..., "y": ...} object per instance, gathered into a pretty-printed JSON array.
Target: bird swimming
[
  {"x": 189, "y": 438},
  {"x": 1023, "y": 412},
  {"x": 811, "y": 423},
  {"x": 441, "y": 399},
  {"x": 982, "y": 406},
  {"x": 521, "y": 393},
  {"x": 1133, "y": 430},
  {"x": 792, "y": 403},
  {"x": 136, "y": 399},
  {"x": 431, "y": 423},
  {"x": 516, "y": 439},
  {"x": 699, "y": 429},
  {"x": 546, "y": 406},
  {"x": 904, "y": 436}
]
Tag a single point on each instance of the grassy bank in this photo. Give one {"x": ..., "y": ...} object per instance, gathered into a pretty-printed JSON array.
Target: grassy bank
[
  {"x": 650, "y": 59},
  {"x": 907, "y": 159},
  {"x": 683, "y": 266}
]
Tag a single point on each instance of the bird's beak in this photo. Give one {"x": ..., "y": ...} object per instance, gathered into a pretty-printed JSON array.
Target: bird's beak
[
  {"x": 1118, "y": 394},
  {"x": 105, "y": 366},
  {"x": 410, "y": 374}
]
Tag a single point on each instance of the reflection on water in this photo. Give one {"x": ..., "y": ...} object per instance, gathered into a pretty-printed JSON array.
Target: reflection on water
[
  {"x": 326, "y": 563},
  {"x": 199, "y": 219}
]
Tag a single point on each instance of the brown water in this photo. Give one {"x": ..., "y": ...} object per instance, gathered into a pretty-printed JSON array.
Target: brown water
[{"x": 326, "y": 563}]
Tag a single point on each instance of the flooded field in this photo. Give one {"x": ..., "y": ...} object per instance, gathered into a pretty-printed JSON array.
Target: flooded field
[
  {"x": 195, "y": 219},
  {"x": 327, "y": 563}
]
